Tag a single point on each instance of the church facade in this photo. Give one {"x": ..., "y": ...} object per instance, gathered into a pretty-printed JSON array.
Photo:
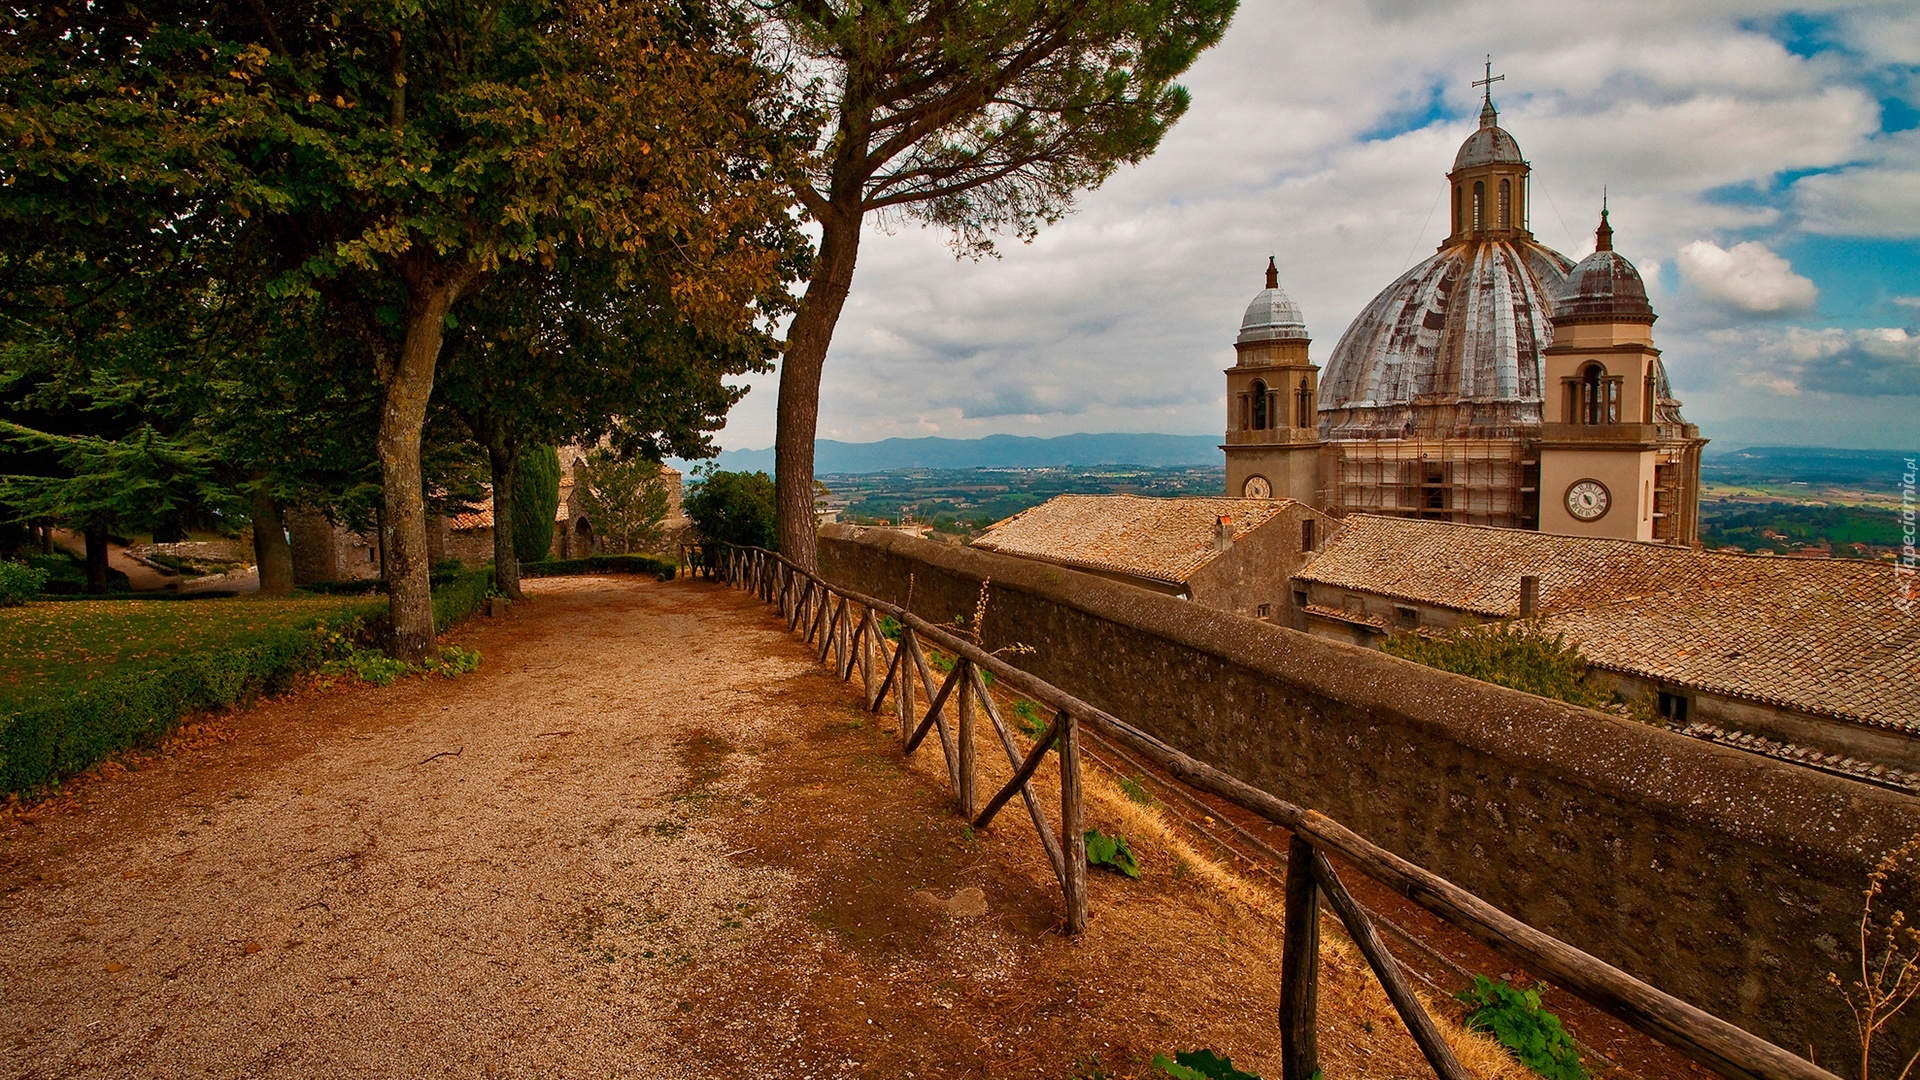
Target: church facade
[{"x": 1495, "y": 383}]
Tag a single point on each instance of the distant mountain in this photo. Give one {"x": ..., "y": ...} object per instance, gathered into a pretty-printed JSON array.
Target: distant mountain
[
  {"x": 993, "y": 452},
  {"x": 1872, "y": 470}
]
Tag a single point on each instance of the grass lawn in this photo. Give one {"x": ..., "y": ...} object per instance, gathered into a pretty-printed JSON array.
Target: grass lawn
[{"x": 49, "y": 649}]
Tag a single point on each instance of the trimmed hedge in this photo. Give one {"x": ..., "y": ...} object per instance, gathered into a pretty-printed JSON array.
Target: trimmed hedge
[
  {"x": 48, "y": 743},
  {"x": 599, "y": 564}
]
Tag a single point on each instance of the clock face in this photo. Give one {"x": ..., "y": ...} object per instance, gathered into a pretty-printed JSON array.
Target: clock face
[
  {"x": 1257, "y": 488},
  {"x": 1587, "y": 500}
]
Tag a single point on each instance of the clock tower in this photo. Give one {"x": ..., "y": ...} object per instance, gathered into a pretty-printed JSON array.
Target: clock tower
[
  {"x": 1608, "y": 464},
  {"x": 1273, "y": 440}
]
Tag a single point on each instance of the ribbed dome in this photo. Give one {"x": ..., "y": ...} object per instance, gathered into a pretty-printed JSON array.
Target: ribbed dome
[
  {"x": 1451, "y": 348},
  {"x": 1604, "y": 286},
  {"x": 1489, "y": 145},
  {"x": 1273, "y": 316}
]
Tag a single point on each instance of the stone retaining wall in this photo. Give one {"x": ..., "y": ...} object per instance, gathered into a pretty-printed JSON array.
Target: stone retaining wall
[{"x": 1728, "y": 879}]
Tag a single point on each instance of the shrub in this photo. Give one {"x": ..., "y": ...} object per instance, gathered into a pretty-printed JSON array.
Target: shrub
[
  {"x": 19, "y": 583},
  {"x": 600, "y": 564},
  {"x": 732, "y": 508},
  {"x": 536, "y": 500},
  {"x": 1529, "y": 1032},
  {"x": 1520, "y": 655},
  {"x": 46, "y": 743},
  {"x": 457, "y": 598}
]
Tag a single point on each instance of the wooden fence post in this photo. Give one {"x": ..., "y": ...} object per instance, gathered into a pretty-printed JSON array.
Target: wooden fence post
[
  {"x": 1072, "y": 832},
  {"x": 1300, "y": 967},
  {"x": 904, "y": 651},
  {"x": 966, "y": 737}
]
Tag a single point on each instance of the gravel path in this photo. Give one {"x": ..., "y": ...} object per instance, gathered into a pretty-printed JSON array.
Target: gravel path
[
  {"x": 650, "y": 838},
  {"x": 326, "y": 896}
]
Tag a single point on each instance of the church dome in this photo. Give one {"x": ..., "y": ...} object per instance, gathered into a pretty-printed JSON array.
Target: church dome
[
  {"x": 1452, "y": 348},
  {"x": 1604, "y": 287},
  {"x": 1491, "y": 145},
  {"x": 1273, "y": 316}
]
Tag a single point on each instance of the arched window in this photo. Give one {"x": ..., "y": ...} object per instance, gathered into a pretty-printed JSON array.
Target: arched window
[
  {"x": 1259, "y": 405},
  {"x": 1506, "y": 204},
  {"x": 1599, "y": 396},
  {"x": 1456, "y": 209},
  {"x": 1479, "y": 205},
  {"x": 1303, "y": 405}
]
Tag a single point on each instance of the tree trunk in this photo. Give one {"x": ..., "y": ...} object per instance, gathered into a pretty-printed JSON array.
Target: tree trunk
[
  {"x": 46, "y": 538},
  {"x": 505, "y": 462},
  {"x": 96, "y": 561},
  {"x": 270, "y": 551},
  {"x": 799, "y": 408},
  {"x": 403, "y": 412}
]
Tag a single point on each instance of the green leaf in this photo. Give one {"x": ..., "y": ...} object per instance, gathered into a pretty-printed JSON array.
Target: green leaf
[
  {"x": 1201, "y": 1065},
  {"x": 1111, "y": 852}
]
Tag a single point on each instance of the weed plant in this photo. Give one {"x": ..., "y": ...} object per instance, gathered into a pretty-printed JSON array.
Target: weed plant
[
  {"x": 1111, "y": 853},
  {"x": 1516, "y": 1019},
  {"x": 1202, "y": 1065}
]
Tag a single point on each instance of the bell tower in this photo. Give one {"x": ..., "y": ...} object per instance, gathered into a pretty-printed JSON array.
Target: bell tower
[
  {"x": 1601, "y": 443},
  {"x": 1273, "y": 427}
]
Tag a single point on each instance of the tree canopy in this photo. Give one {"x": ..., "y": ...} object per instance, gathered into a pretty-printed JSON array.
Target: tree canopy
[{"x": 975, "y": 118}]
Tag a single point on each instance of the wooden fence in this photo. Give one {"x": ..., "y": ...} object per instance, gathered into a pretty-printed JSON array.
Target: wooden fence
[{"x": 845, "y": 625}]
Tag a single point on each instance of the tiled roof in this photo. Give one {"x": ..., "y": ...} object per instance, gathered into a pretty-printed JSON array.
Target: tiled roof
[
  {"x": 1821, "y": 636},
  {"x": 1162, "y": 539},
  {"x": 472, "y": 519},
  {"x": 1343, "y": 615}
]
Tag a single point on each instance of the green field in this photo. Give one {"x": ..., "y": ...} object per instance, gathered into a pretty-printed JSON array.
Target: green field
[
  {"x": 47, "y": 650},
  {"x": 1785, "y": 527}
]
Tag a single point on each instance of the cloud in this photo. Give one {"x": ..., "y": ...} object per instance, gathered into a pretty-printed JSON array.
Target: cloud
[
  {"x": 1882, "y": 362},
  {"x": 1878, "y": 197},
  {"x": 1748, "y": 276},
  {"x": 1121, "y": 317}
]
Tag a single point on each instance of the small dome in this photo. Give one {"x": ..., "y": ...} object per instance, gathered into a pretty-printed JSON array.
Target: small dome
[
  {"x": 1273, "y": 316},
  {"x": 1604, "y": 286},
  {"x": 1489, "y": 145}
]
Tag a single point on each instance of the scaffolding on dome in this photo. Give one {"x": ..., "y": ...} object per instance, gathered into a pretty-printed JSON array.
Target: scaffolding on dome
[{"x": 1466, "y": 481}]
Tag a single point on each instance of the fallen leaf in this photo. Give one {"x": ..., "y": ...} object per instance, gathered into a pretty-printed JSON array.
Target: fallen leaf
[
  {"x": 116, "y": 967},
  {"x": 252, "y": 947}
]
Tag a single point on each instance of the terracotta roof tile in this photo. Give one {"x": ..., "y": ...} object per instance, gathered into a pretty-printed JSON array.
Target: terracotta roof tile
[
  {"x": 1820, "y": 636},
  {"x": 1162, "y": 539}
]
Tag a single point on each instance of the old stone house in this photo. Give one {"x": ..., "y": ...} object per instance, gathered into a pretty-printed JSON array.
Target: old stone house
[
  {"x": 1233, "y": 555},
  {"x": 1808, "y": 659}
]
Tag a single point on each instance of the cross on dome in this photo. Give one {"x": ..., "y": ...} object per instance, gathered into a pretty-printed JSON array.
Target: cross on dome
[{"x": 1488, "y": 115}]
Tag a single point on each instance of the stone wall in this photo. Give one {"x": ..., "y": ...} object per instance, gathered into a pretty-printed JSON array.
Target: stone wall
[{"x": 1727, "y": 879}]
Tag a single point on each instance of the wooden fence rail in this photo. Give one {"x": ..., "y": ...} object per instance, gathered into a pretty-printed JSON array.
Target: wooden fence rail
[{"x": 845, "y": 624}]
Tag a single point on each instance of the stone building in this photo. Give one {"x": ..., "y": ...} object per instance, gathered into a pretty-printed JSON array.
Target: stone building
[
  {"x": 1234, "y": 555},
  {"x": 324, "y": 551},
  {"x": 1495, "y": 383},
  {"x": 1806, "y": 659}
]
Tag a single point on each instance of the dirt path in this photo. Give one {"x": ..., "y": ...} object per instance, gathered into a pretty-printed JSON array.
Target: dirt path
[
  {"x": 649, "y": 838},
  {"x": 140, "y": 576}
]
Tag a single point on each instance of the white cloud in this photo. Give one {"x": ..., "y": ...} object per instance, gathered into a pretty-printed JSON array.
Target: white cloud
[
  {"x": 1879, "y": 197},
  {"x": 1747, "y": 276},
  {"x": 1876, "y": 363},
  {"x": 1121, "y": 316}
]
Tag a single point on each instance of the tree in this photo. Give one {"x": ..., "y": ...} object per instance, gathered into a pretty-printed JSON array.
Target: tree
[
  {"x": 585, "y": 348},
  {"x": 400, "y": 153},
  {"x": 537, "y": 493},
  {"x": 976, "y": 118},
  {"x": 625, "y": 499},
  {"x": 733, "y": 508}
]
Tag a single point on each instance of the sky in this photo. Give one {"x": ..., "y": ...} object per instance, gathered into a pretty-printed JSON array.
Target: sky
[{"x": 1761, "y": 162}]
